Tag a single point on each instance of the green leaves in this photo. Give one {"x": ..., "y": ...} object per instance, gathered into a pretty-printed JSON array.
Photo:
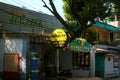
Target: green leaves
[{"x": 88, "y": 9}]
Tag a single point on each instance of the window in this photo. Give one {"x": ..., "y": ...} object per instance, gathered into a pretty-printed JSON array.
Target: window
[
  {"x": 111, "y": 37},
  {"x": 109, "y": 59},
  {"x": 81, "y": 60},
  {"x": 98, "y": 36}
]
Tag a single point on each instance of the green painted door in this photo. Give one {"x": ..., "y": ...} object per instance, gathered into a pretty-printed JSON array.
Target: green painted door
[{"x": 99, "y": 64}]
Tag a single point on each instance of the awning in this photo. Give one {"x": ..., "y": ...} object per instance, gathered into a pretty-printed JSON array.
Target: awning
[
  {"x": 106, "y": 26},
  {"x": 100, "y": 50}
]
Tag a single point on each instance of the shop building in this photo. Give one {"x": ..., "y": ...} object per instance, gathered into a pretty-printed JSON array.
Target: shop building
[
  {"x": 20, "y": 30},
  {"x": 107, "y": 54},
  {"x": 100, "y": 59}
]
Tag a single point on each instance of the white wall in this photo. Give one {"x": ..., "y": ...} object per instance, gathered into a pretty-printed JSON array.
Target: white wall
[
  {"x": 66, "y": 63},
  {"x": 115, "y": 23},
  {"x": 108, "y": 66},
  {"x": 13, "y": 46}
]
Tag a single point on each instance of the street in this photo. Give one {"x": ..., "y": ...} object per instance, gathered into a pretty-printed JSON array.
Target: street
[
  {"x": 85, "y": 78},
  {"x": 81, "y": 78},
  {"x": 93, "y": 78}
]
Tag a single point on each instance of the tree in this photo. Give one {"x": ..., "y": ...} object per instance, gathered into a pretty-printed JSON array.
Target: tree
[
  {"x": 82, "y": 11},
  {"x": 90, "y": 35}
]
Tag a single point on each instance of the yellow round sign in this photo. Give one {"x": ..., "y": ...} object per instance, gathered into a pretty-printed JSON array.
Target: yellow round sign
[{"x": 58, "y": 35}]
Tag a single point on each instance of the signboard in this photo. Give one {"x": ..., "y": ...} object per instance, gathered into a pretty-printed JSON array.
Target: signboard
[
  {"x": 80, "y": 45},
  {"x": 58, "y": 37}
]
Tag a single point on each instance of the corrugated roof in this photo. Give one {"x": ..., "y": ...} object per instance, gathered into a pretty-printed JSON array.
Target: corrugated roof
[{"x": 106, "y": 26}]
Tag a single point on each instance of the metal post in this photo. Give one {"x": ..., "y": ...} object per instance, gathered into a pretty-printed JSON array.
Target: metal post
[
  {"x": 92, "y": 61},
  {"x": 58, "y": 60}
]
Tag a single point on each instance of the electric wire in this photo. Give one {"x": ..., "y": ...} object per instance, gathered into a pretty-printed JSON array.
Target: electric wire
[
  {"x": 6, "y": 1},
  {"x": 27, "y": 4},
  {"x": 24, "y": 4},
  {"x": 29, "y": 19},
  {"x": 26, "y": 18}
]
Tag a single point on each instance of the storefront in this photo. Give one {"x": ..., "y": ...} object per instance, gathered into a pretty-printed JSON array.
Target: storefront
[
  {"x": 20, "y": 30},
  {"x": 97, "y": 60},
  {"x": 107, "y": 61},
  {"x": 78, "y": 58}
]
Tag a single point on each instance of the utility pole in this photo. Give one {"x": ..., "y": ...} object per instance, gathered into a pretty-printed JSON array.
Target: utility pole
[{"x": 57, "y": 60}]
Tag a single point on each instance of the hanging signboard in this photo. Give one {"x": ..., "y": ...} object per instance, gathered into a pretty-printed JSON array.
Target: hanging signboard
[{"x": 58, "y": 37}]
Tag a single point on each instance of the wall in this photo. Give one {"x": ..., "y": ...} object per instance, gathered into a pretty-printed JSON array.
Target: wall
[
  {"x": 104, "y": 35},
  {"x": 14, "y": 45},
  {"x": 78, "y": 73},
  {"x": 66, "y": 63},
  {"x": 66, "y": 59},
  {"x": 115, "y": 23},
  {"x": 112, "y": 66},
  {"x": 109, "y": 66}
]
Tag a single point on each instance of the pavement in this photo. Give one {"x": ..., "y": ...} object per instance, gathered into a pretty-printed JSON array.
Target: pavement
[
  {"x": 85, "y": 78},
  {"x": 82, "y": 78},
  {"x": 94, "y": 78},
  {"x": 88, "y": 78}
]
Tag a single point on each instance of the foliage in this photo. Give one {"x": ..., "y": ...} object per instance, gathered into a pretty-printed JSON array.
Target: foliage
[
  {"x": 90, "y": 34},
  {"x": 88, "y": 10},
  {"x": 83, "y": 11}
]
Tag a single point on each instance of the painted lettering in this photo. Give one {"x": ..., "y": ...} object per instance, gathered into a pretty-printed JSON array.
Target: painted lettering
[
  {"x": 14, "y": 11},
  {"x": 23, "y": 21}
]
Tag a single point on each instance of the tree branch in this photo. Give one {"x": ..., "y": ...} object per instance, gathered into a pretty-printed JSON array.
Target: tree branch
[
  {"x": 45, "y": 5},
  {"x": 60, "y": 18},
  {"x": 54, "y": 11}
]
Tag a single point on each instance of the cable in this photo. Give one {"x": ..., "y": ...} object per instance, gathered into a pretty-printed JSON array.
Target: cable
[
  {"x": 16, "y": 2},
  {"x": 6, "y": 1},
  {"x": 11, "y": 2},
  {"x": 26, "y": 18},
  {"x": 33, "y": 24},
  {"x": 29, "y": 19},
  {"x": 20, "y": 2},
  {"x": 20, "y": 17}
]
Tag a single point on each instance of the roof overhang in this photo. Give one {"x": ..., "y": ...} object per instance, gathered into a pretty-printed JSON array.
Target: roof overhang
[
  {"x": 100, "y": 50},
  {"x": 106, "y": 26}
]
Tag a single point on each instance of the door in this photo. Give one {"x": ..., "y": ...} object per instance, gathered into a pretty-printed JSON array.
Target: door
[
  {"x": 11, "y": 66},
  {"x": 99, "y": 64}
]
